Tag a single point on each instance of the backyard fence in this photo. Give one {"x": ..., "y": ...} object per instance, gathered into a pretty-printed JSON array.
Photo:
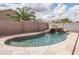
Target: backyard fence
[{"x": 13, "y": 27}]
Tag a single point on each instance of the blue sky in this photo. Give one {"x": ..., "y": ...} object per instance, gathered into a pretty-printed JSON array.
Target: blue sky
[
  {"x": 49, "y": 11},
  {"x": 69, "y": 5}
]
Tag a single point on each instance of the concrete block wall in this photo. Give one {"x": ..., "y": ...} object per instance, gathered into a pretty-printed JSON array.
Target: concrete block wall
[{"x": 12, "y": 27}]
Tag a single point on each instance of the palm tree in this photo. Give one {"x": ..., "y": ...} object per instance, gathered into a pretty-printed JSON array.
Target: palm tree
[{"x": 23, "y": 14}]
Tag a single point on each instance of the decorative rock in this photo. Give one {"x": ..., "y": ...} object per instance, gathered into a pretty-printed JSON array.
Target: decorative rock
[{"x": 65, "y": 30}]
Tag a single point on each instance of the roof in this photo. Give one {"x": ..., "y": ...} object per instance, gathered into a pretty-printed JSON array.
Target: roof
[{"x": 4, "y": 14}]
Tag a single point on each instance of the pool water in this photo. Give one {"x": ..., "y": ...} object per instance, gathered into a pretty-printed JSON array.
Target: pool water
[{"x": 38, "y": 40}]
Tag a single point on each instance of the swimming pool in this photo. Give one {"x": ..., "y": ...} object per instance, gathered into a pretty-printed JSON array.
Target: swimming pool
[{"x": 43, "y": 39}]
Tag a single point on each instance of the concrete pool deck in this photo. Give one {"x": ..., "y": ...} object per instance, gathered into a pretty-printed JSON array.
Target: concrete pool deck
[{"x": 62, "y": 48}]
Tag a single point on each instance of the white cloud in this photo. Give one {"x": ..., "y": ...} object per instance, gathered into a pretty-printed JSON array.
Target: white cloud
[
  {"x": 73, "y": 13},
  {"x": 44, "y": 11},
  {"x": 38, "y": 7},
  {"x": 9, "y": 6},
  {"x": 74, "y": 10},
  {"x": 61, "y": 12},
  {"x": 2, "y": 8}
]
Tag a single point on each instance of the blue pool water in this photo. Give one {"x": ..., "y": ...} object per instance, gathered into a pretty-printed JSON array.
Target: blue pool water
[{"x": 37, "y": 40}]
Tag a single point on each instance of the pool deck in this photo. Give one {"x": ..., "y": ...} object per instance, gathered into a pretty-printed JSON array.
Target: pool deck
[{"x": 62, "y": 48}]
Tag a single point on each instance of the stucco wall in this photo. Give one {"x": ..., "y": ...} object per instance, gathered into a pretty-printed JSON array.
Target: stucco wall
[
  {"x": 12, "y": 27},
  {"x": 30, "y": 26},
  {"x": 43, "y": 26},
  {"x": 5, "y": 14},
  {"x": 8, "y": 27}
]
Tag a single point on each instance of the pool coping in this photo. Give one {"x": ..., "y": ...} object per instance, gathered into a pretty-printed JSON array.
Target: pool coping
[{"x": 64, "y": 47}]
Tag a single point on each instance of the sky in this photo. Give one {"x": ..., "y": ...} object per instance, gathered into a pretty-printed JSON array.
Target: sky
[{"x": 48, "y": 11}]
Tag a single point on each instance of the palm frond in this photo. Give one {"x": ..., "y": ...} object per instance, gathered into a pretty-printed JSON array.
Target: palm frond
[{"x": 24, "y": 13}]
